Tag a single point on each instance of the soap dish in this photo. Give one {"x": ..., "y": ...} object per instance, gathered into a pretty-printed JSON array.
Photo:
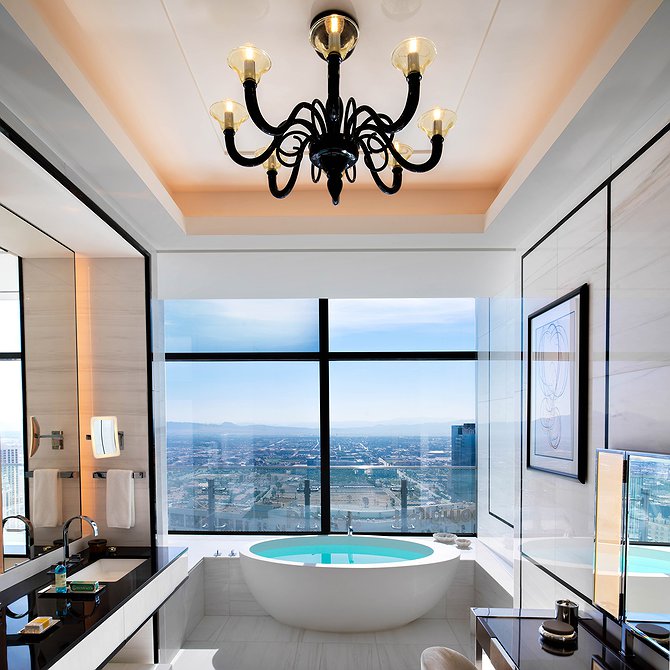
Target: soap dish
[
  {"x": 50, "y": 592},
  {"x": 54, "y": 622}
]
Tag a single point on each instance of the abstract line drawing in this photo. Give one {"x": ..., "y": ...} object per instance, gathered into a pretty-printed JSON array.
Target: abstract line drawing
[
  {"x": 553, "y": 374},
  {"x": 557, "y": 351}
]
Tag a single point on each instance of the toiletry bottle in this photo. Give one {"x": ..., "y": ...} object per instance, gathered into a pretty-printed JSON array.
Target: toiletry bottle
[{"x": 61, "y": 578}]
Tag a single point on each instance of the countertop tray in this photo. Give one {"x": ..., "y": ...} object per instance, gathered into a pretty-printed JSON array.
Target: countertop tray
[
  {"x": 50, "y": 592},
  {"x": 55, "y": 622}
]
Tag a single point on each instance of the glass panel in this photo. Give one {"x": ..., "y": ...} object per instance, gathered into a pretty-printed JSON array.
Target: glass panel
[
  {"x": 648, "y": 549},
  {"x": 201, "y": 326},
  {"x": 10, "y": 331},
  {"x": 609, "y": 514},
  {"x": 403, "y": 446},
  {"x": 11, "y": 455},
  {"x": 243, "y": 451},
  {"x": 402, "y": 325}
]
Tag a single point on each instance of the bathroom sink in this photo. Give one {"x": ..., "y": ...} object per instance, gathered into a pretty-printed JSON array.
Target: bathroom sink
[{"x": 107, "y": 569}]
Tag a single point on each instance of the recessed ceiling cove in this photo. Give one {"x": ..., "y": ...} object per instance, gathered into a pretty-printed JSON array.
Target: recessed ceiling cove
[{"x": 151, "y": 70}]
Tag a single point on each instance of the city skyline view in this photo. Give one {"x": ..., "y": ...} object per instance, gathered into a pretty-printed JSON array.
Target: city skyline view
[{"x": 243, "y": 436}]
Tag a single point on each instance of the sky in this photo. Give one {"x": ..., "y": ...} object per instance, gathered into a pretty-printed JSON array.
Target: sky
[
  {"x": 286, "y": 393},
  {"x": 292, "y": 325},
  {"x": 11, "y": 400}
]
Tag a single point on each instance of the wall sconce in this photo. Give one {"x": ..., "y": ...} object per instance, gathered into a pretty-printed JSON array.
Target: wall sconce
[
  {"x": 35, "y": 436},
  {"x": 107, "y": 440}
]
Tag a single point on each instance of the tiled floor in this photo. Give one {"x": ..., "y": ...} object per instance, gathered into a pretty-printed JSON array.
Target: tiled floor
[{"x": 260, "y": 642}]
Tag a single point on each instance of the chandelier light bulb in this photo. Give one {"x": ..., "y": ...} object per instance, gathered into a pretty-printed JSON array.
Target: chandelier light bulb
[
  {"x": 334, "y": 26},
  {"x": 405, "y": 152},
  {"x": 437, "y": 121},
  {"x": 271, "y": 163},
  {"x": 249, "y": 62},
  {"x": 333, "y": 33},
  {"x": 414, "y": 54},
  {"x": 230, "y": 114}
]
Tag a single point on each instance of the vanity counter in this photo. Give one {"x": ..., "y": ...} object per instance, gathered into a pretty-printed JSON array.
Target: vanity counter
[
  {"x": 511, "y": 640},
  {"x": 79, "y": 618}
]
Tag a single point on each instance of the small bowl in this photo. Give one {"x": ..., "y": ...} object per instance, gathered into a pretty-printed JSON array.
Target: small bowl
[
  {"x": 463, "y": 543},
  {"x": 445, "y": 538}
]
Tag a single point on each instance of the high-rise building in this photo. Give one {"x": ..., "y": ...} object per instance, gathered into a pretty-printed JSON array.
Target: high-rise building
[{"x": 463, "y": 445}]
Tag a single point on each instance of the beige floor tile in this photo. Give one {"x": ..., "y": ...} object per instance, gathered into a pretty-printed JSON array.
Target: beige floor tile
[
  {"x": 209, "y": 628},
  {"x": 317, "y": 636},
  {"x": 400, "y": 656},
  {"x": 429, "y": 632},
  {"x": 349, "y": 657},
  {"x": 258, "y": 629}
]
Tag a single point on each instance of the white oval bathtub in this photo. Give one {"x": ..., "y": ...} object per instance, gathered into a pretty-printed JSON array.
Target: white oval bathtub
[{"x": 397, "y": 581}]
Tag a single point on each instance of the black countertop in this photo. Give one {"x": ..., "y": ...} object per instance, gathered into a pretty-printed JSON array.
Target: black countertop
[
  {"x": 20, "y": 604},
  {"x": 518, "y": 633}
]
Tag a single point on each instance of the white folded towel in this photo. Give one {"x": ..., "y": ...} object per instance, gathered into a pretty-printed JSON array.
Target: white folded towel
[
  {"x": 47, "y": 499},
  {"x": 120, "y": 499}
]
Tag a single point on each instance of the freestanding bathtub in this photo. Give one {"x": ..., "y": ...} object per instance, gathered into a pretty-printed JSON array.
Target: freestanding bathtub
[{"x": 347, "y": 583}]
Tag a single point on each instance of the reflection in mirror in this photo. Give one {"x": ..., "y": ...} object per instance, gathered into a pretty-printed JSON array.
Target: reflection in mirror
[
  {"x": 38, "y": 378},
  {"x": 105, "y": 436},
  {"x": 11, "y": 408},
  {"x": 648, "y": 540},
  {"x": 609, "y": 524}
]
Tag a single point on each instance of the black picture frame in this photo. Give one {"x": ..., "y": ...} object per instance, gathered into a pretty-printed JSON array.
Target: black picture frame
[{"x": 557, "y": 386}]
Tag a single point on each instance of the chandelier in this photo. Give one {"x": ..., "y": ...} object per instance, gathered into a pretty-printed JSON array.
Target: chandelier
[{"x": 334, "y": 135}]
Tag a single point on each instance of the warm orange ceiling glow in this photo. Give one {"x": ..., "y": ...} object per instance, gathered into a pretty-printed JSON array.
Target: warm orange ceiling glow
[{"x": 158, "y": 65}]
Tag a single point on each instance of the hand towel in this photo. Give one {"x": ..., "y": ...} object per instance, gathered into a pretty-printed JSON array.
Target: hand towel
[
  {"x": 47, "y": 499},
  {"x": 120, "y": 499}
]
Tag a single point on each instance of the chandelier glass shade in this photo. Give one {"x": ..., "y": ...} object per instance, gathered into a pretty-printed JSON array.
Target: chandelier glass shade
[{"x": 332, "y": 134}]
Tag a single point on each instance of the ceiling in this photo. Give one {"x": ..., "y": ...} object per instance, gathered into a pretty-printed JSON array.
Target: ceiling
[
  {"x": 148, "y": 71},
  {"x": 30, "y": 226}
]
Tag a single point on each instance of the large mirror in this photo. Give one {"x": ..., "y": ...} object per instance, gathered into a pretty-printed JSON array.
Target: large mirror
[
  {"x": 632, "y": 552},
  {"x": 647, "y": 565},
  {"x": 39, "y": 436},
  {"x": 608, "y": 555}
]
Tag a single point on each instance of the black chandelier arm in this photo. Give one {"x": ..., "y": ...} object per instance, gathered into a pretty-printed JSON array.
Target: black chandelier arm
[
  {"x": 333, "y": 102},
  {"x": 437, "y": 143},
  {"x": 395, "y": 185},
  {"x": 408, "y": 112},
  {"x": 255, "y": 114},
  {"x": 295, "y": 170},
  {"x": 244, "y": 161},
  {"x": 280, "y": 193},
  {"x": 374, "y": 171}
]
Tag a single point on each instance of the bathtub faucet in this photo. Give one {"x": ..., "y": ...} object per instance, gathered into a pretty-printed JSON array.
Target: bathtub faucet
[{"x": 350, "y": 530}]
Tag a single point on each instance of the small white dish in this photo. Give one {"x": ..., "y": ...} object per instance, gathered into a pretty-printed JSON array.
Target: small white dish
[
  {"x": 445, "y": 538},
  {"x": 463, "y": 543}
]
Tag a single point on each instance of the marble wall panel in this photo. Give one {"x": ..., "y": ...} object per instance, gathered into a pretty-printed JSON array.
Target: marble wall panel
[
  {"x": 557, "y": 512},
  {"x": 640, "y": 304},
  {"x": 113, "y": 381},
  {"x": 51, "y": 373}
]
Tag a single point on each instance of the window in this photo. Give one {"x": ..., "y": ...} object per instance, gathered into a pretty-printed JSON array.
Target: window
[
  {"x": 298, "y": 415},
  {"x": 11, "y": 406},
  {"x": 243, "y": 438}
]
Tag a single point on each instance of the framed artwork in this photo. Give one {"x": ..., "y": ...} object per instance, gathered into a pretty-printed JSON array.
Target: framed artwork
[{"x": 557, "y": 386}]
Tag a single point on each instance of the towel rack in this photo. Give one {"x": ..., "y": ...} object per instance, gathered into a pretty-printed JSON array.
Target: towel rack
[
  {"x": 63, "y": 474},
  {"x": 102, "y": 474}
]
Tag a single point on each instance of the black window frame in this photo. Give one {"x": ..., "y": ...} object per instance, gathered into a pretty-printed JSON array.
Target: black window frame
[{"x": 323, "y": 357}]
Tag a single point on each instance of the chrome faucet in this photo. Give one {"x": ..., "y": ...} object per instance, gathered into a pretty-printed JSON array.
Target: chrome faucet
[
  {"x": 66, "y": 528},
  {"x": 350, "y": 530},
  {"x": 29, "y": 527}
]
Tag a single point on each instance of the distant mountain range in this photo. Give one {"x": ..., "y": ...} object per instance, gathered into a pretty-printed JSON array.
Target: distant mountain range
[{"x": 187, "y": 429}]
